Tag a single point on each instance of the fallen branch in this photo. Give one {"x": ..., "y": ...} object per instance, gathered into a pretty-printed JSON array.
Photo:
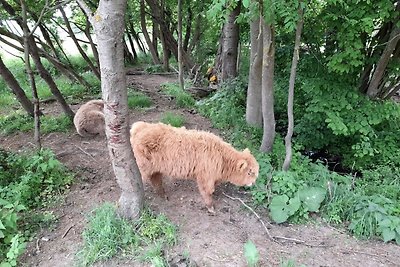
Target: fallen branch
[
  {"x": 275, "y": 238},
  {"x": 84, "y": 151},
  {"x": 255, "y": 213}
]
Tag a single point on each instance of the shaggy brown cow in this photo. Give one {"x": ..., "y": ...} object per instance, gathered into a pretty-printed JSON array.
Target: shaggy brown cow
[
  {"x": 161, "y": 149},
  {"x": 89, "y": 119}
]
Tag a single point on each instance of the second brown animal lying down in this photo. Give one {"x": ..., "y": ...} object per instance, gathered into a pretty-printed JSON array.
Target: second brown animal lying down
[
  {"x": 89, "y": 119},
  {"x": 163, "y": 150}
]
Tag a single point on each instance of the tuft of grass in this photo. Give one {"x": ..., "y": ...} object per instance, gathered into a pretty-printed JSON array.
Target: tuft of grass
[
  {"x": 183, "y": 99},
  {"x": 138, "y": 100},
  {"x": 107, "y": 235},
  {"x": 173, "y": 119}
]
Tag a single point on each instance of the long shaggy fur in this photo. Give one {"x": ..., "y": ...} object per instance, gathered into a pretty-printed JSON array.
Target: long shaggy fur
[
  {"x": 163, "y": 150},
  {"x": 89, "y": 119}
]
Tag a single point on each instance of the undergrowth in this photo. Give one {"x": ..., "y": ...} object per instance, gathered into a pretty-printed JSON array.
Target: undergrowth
[
  {"x": 138, "y": 100},
  {"x": 182, "y": 98},
  {"x": 28, "y": 183},
  {"x": 17, "y": 122},
  {"x": 367, "y": 206},
  {"x": 107, "y": 235}
]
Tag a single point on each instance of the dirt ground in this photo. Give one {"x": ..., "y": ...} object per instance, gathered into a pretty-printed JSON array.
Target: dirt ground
[{"x": 207, "y": 240}]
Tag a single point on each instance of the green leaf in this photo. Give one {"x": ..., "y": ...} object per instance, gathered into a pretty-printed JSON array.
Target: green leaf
[
  {"x": 2, "y": 227},
  {"x": 388, "y": 234},
  {"x": 246, "y": 3},
  {"x": 312, "y": 197},
  {"x": 281, "y": 208}
]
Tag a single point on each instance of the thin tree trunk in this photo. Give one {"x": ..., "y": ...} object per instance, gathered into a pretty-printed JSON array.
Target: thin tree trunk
[
  {"x": 16, "y": 88},
  {"x": 181, "y": 83},
  {"x": 230, "y": 43},
  {"x": 153, "y": 52},
  {"x": 268, "y": 87},
  {"x": 108, "y": 22},
  {"x": 78, "y": 46},
  {"x": 131, "y": 44},
  {"x": 48, "y": 79},
  {"x": 136, "y": 37},
  {"x": 373, "y": 88},
  {"x": 188, "y": 29},
  {"x": 292, "y": 80},
  {"x": 92, "y": 44},
  {"x": 253, "y": 100},
  {"x": 31, "y": 76},
  {"x": 197, "y": 33}
]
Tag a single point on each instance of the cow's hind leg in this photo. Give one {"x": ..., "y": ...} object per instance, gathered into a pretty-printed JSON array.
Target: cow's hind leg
[{"x": 156, "y": 182}]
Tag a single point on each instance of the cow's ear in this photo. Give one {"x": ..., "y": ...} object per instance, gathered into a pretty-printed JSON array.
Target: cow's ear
[{"x": 242, "y": 165}]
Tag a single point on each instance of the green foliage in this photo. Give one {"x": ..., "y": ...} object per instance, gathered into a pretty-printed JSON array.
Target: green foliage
[
  {"x": 12, "y": 244},
  {"x": 251, "y": 254},
  {"x": 226, "y": 107},
  {"x": 17, "y": 122},
  {"x": 107, "y": 235},
  {"x": 138, "y": 100},
  {"x": 182, "y": 98},
  {"x": 27, "y": 182},
  {"x": 173, "y": 119},
  {"x": 311, "y": 187},
  {"x": 154, "y": 69},
  {"x": 347, "y": 124}
]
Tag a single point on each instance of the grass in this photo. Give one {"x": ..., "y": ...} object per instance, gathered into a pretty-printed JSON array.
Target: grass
[
  {"x": 183, "y": 99},
  {"x": 138, "y": 100},
  {"x": 17, "y": 122},
  {"x": 107, "y": 235},
  {"x": 173, "y": 119}
]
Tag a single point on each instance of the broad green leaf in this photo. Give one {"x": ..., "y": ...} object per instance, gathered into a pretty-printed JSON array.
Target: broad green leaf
[
  {"x": 312, "y": 197},
  {"x": 388, "y": 234},
  {"x": 281, "y": 208}
]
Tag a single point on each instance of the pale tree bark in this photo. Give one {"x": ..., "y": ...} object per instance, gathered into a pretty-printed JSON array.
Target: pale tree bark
[
  {"x": 292, "y": 80},
  {"x": 230, "y": 43},
  {"x": 268, "y": 63},
  {"x": 180, "y": 47},
  {"x": 108, "y": 23},
  {"x": 253, "y": 100},
  {"x": 19, "y": 93},
  {"x": 31, "y": 76}
]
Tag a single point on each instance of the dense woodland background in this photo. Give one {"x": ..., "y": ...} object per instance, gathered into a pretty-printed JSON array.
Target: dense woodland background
[{"x": 315, "y": 82}]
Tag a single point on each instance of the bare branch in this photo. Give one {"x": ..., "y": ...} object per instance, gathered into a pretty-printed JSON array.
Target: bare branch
[{"x": 86, "y": 9}]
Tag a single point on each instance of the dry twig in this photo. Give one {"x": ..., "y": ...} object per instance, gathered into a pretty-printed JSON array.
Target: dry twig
[
  {"x": 66, "y": 231},
  {"x": 255, "y": 213},
  {"x": 275, "y": 238},
  {"x": 84, "y": 151}
]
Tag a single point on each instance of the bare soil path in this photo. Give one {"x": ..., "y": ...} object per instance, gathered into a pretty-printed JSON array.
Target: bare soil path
[{"x": 207, "y": 240}]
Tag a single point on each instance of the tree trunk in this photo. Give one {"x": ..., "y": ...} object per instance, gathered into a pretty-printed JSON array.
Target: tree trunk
[
  {"x": 153, "y": 52},
  {"x": 230, "y": 43},
  {"x": 16, "y": 88},
  {"x": 108, "y": 22},
  {"x": 268, "y": 87},
  {"x": 188, "y": 29},
  {"x": 292, "y": 80},
  {"x": 92, "y": 44},
  {"x": 136, "y": 37},
  {"x": 373, "y": 88},
  {"x": 180, "y": 47},
  {"x": 253, "y": 100},
  {"x": 172, "y": 44},
  {"x": 73, "y": 37},
  {"x": 27, "y": 36}
]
